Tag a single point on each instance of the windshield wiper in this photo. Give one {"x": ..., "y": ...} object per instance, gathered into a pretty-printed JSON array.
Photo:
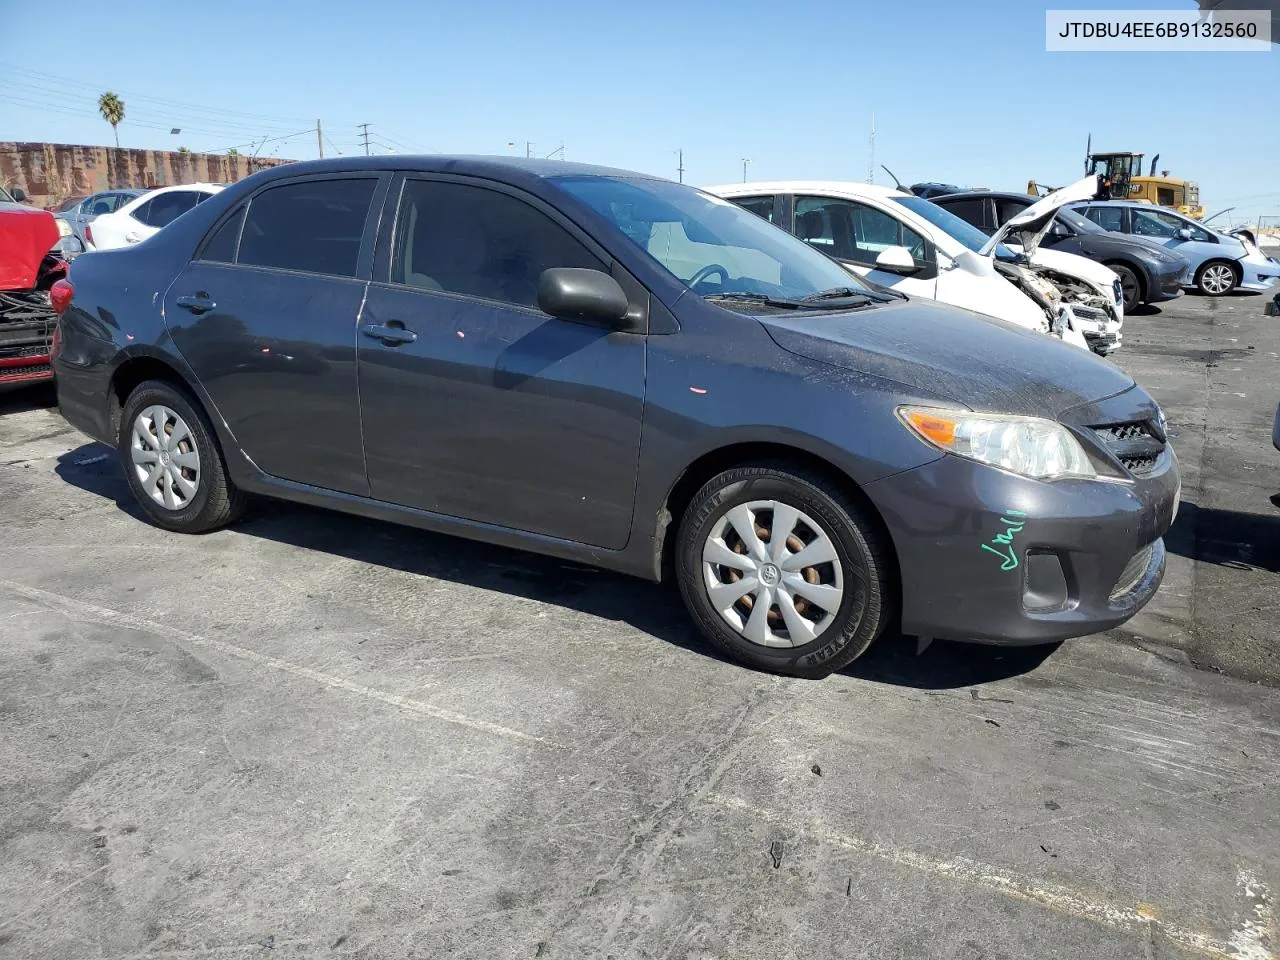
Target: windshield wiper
[
  {"x": 856, "y": 297},
  {"x": 742, "y": 297}
]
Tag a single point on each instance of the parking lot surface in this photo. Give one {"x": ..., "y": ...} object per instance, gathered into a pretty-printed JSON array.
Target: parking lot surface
[{"x": 316, "y": 735}]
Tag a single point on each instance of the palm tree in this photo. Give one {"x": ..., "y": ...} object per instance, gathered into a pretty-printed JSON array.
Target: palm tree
[{"x": 112, "y": 108}]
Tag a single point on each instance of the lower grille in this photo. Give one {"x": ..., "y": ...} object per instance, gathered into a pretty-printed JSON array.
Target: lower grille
[
  {"x": 22, "y": 373},
  {"x": 1132, "y": 573}
]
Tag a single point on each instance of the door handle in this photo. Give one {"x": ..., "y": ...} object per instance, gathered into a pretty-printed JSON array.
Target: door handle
[
  {"x": 198, "y": 304},
  {"x": 392, "y": 333}
]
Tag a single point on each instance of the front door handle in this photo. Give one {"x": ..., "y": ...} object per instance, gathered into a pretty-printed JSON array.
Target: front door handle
[
  {"x": 392, "y": 333},
  {"x": 198, "y": 304}
]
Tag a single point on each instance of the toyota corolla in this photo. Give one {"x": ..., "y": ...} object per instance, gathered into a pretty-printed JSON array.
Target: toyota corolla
[{"x": 627, "y": 372}]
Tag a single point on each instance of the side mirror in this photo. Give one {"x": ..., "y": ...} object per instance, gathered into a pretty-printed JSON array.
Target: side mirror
[
  {"x": 896, "y": 260},
  {"x": 574, "y": 293},
  {"x": 1185, "y": 233},
  {"x": 1060, "y": 229},
  {"x": 19, "y": 194}
]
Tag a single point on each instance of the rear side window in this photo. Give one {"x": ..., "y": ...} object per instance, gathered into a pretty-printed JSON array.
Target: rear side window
[
  {"x": 315, "y": 226},
  {"x": 1006, "y": 210},
  {"x": 162, "y": 210},
  {"x": 221, "y": 246},
  {"x": 1108, "y": 218},
  {"x": 760, "y": 206},
  {"x": 479, "y": 243},
  {"x": 970, "y": 211}
]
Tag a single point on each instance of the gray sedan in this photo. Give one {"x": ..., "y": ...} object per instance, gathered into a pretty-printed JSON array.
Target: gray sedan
[{"x": 627, "y": 372}]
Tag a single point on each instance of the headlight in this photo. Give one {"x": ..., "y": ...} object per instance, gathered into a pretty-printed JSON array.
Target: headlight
[
  {"x": 1117, "y": 289},
  {"x": 1029, "y": 446},
  {"x": 64, "y": 228}
]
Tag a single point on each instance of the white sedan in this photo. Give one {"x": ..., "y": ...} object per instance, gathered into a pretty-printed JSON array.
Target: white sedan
[
  {"x": 144, "y": 216},
  {"x": 899, "y": 240}
]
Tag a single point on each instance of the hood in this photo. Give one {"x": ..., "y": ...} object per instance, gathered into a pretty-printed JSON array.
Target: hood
[
  {"x": 987, "y": 365},
  {"x": 1033, "y": 222},
  {"x": 26, "y": 235}
]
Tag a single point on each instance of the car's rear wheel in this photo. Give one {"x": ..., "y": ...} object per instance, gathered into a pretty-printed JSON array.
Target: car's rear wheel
[
  {"x": 172, "y": 460},
  {"x": 1216, "y": 278},
  {"x": 783, "y": 571},
  {"x": 1130, "y": 284}
]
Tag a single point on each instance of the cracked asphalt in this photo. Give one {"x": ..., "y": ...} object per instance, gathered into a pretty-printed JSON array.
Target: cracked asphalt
[{"x": 315, "y": 735}]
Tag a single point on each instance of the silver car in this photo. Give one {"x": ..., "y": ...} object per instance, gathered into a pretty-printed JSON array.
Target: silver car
[{"x": 1220, "y": 262}]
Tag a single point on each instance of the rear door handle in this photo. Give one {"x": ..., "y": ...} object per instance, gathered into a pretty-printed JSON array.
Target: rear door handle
[
  {"x": 198, "y": 304},
  {"x": 391, "y": 333}
]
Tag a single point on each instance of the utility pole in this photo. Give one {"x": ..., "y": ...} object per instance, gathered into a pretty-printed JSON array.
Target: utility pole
[
  {"x": 364, "y": 132},
  {"x": 680, "y": 164},
  {"x": 528, "y": 149},
  {"x": 871, "y": 164},
  {"x": 320, "y": 139},
  {"x": 745, "y": 161}
]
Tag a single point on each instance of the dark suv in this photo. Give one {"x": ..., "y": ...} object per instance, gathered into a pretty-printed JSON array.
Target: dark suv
[
  {"x": 627, "y": 372},
  {"x": 1148, "y": 273}
]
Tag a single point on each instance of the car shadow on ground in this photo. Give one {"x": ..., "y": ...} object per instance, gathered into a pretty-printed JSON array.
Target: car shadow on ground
[
  {"x": 1143, "y": 310},
  {"x": 1227, "y": 538},
  {"x": 655, "y": 609},
  {"x": 39, "y": 397}
]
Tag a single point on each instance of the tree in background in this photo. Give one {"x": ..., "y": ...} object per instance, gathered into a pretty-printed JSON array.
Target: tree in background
[
  {"x": 112, "y": 108},
  {"x": 183, "y": 150},
  {"x": 233, "y": 152}
]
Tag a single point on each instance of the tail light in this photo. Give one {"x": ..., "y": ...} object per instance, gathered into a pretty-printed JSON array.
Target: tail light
[
  {"x": 60, "y": 295},
  {"x": 88, "y": 232}
]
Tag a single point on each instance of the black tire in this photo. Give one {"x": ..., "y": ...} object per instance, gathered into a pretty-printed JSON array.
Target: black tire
[
  {"x": 1134, "y": 291},
  {"x": 1209, "y": 278},
  {"x": 215, "y": 501},
  {"x": 869, "y": 600}
]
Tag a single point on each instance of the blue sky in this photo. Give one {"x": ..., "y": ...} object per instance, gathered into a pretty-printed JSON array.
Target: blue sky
[{"x": 963, "y": 93}]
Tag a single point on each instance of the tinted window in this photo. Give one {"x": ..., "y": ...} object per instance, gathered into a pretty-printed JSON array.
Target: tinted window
[
  {"x": 852, "y": 231},
  {"x": 479, "y": 243},
  {"x": 163, "y": 209},
  {"x": 140, "y": 214},
  {"x": 760, "y": 206},
  {"x": 1108, "y": 218},
  {"x": 1007, "y": 209},
  {"x": 315, "y": 226},
  {"x": 688, "y": 233},
  {"x": 968, "y": 210},
  {"x": 949, "y": 223},
  {"x": 221, "y": 247}
]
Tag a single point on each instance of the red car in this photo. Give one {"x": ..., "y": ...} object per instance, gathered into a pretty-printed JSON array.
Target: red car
[{"x": 28, "y": 270}]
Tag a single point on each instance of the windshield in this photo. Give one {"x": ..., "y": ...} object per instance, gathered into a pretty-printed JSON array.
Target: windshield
[
  {"x": 953, "y": 226},
  {"x": 713, "y": 246},
  {"x": 5, "y": 197}
]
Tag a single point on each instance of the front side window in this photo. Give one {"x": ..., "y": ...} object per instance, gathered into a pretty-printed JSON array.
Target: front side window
[
  {"x": 706, "y": 241},
  {"x": 853, "y": 231},
  {"x": 163, "y": 209},
  {"x": 1152, "y": 223},
  {"x": 479, "y": 242},
  {"x": 315, "y": 226}
]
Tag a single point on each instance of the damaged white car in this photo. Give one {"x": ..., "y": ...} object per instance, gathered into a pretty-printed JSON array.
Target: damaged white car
[{"x": 910, "y": 244}]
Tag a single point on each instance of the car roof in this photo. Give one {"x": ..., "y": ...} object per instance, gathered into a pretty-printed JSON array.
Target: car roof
[
  {"x": 513, "y": 169},
  {"x": 840, "y": 188},
  {"x": 998, "y": 194}
]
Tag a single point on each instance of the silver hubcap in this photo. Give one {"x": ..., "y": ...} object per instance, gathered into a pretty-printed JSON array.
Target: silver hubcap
[
  {"x": 772, "y": 573},
  {"x": 165, "y": 459},
  {"x": 1218, "y": 278}
]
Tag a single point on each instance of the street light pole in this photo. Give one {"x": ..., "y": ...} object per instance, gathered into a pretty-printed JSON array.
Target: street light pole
[
  {"x": 680, "y": 164},
  {"x": 745, "y": 161}
]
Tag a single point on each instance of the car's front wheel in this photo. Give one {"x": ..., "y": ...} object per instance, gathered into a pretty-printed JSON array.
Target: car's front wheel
[
  {"x": 783, "y": 571},
  {"x": 1216, "y": 278},
  {"x": 172, "y": 460}
]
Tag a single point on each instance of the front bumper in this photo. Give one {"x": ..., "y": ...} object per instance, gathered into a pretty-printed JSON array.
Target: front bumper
[
  {"x": 26, "y": 329},
  {"x": 991, "y": 557},
  {"x": 1167, "y": 282},
  {"x": 1258, "y": 272}
]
